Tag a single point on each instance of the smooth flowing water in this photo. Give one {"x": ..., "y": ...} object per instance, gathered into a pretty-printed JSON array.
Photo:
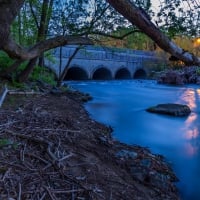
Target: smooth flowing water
[{"x": 122, "y": 104}]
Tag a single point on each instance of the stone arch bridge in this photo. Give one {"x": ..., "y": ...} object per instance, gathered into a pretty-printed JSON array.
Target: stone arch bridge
[{"x": 102, "y": 63}]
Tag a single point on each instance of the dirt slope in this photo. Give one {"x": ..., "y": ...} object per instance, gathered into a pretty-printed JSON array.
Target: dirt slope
[{"x": 51, "y": 149}]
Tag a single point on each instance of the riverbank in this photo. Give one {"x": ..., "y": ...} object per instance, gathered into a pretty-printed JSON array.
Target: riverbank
[{"x": 51, "y": 149}]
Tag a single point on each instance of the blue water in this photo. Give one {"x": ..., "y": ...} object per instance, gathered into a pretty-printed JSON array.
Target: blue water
[{"x": 122, "y": 104}]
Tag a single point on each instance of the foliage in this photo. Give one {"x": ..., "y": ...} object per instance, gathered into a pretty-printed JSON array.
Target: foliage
[
  {"x": 39, "y": 73},
  {"x": 49, "y": 56},
  {"x": 24, "y": 29},
  {"x": 42, "y": 19},
  {"x": 179, "y": 17},
  {"x": 5, "y": 60},
  {"x": 198, "y": 71},
  {"x": 16, "y": 84},
  {"x": 43, "y": 74},
  {"x": 136, "y": 40},
  {"x": 4, "y": 142}
]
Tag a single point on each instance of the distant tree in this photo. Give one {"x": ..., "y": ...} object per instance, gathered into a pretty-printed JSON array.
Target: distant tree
[
  {"x": 131, "y": 12},
  {"x": 130, "y": 37},
  {"x": 179, "y": 17}
]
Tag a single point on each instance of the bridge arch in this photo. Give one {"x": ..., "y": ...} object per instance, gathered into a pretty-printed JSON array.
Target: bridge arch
[
  {"x": 123, "y": 73},
  {"x": 76, "y": 73},
  {"x": 140, "y": 74},
  {"x": 102, "y": 73}
]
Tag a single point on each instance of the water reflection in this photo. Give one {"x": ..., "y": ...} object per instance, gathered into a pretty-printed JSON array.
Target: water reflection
[
  {"x": 178, "y": 139},
  {"x": 189, "y": 98},
  {"x": 191, "y": 149},
  {"x": 191, "y": 131},
  {"x": 192, "y": 134},
  {"x": 198, "y": 92}
]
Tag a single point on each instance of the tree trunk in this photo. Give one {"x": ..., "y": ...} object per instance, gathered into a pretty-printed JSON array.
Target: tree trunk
[
  {"x": 40, "y": 37},
  {"x": 62, "y": 76},
  {"x": 8, "y": 11},
  {"x": 27, "y": 71},
  {"x": 140, "y": 19},
  {"x": 41, "y": 60}
]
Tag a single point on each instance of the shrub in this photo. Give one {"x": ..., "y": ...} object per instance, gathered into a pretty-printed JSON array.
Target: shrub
[
  {"x": 5, "y": 60},
  {"x": 43, "y": 74}
]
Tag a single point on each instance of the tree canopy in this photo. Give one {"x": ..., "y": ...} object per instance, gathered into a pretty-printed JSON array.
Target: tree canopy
[{"x": 31, "y": 27}]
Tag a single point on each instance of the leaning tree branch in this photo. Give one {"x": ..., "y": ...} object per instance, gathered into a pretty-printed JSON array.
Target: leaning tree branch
[
  {"x": 16, "y": 51},
  {"x": 137, "y": 17}
]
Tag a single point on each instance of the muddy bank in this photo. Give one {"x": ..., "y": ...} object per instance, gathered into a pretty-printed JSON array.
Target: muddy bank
[{"x": 51, "y": 149}]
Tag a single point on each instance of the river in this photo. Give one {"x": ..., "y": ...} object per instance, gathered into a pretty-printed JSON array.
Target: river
[{"x": 122, "y": 104}]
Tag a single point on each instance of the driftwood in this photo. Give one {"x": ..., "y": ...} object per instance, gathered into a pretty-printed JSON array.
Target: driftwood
[
  {"x": 3, "y": 95},
  {"x": 23, "y": 92},
  {"x": 5, "y": 91}
]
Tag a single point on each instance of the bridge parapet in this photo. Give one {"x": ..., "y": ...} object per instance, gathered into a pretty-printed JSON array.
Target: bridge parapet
[
  {"x": 91, "y": 58},
  {"x": 98, "y": 53}
]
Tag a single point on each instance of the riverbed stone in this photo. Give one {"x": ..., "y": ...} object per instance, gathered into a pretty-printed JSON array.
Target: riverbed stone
[
  {"x": 146, "y": 162},
  {"x": 188, "y": 74},
  {"x": 170, "y": 109},
  {"x": 172, "y": 77},
  {"x": 126, "y": 154}
]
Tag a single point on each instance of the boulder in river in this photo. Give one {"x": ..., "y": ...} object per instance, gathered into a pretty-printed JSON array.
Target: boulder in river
[{"x": 170, "y": 109}]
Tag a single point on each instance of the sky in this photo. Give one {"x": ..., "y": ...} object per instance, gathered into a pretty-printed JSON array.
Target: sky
[{"x": 155, "y": 4}]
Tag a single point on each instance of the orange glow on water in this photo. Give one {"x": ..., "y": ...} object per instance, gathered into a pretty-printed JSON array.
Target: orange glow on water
[
  {"x": 191, "y": 131},
  {"x": 189, "y": 98},
  {"x": 192, "y": 117},
  {"x": 192, "y": 134},
  {"x": 191, "y": 149}
]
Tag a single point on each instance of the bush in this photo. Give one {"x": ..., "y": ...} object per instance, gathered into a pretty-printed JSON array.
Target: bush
[
  {"x": 39, "y": 73},
  {"x": 43, "y": 74},
  {"x": 198, "y": 71},
  {"x": 5, "y": 60}
]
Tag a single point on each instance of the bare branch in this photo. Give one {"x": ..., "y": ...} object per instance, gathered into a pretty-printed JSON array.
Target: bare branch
[
  {"x": 34, "y": 15},
  {"x": 61, "y": 78},
  {"x": 3, "y": 96},
  {"x": 16, "y": 51}
]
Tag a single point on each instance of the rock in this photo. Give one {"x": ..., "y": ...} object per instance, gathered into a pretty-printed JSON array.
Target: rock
[
  {"x": 188, "y": 74},
  {"x": 172, "y": 77},
  {"x": 56, "y": 91},
  {"x": 146, "y": 162},
  {"x": 126, "y": 154},
  {"x": 170, "y": 109},
  {"x": 139, "y": 173}
]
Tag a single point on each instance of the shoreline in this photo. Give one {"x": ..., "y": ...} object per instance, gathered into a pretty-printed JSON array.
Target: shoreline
[{"x": 80, "y": 149}]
